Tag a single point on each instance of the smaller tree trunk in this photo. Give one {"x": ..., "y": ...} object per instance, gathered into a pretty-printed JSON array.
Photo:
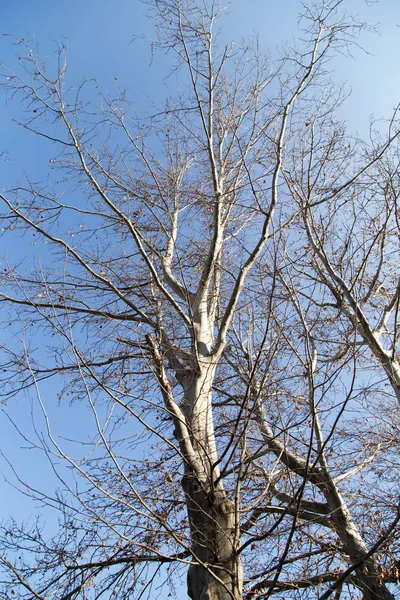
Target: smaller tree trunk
[{"x": 367, "y": 578}]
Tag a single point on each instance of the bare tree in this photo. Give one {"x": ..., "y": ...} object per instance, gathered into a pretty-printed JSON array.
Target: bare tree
[{"x": 218, "y": 284}]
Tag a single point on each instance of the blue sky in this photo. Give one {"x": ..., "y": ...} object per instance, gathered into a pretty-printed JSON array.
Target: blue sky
[
  {"x": 100, "y": 45},
  {"x": 100, "y": 36}
]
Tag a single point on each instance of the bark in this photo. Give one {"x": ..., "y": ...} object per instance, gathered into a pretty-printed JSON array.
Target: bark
[
  {"x": 212, "y": 516},
  {"x": 218, "y": 576}
]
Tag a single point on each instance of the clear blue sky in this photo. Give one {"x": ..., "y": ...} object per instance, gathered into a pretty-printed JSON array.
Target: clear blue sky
[{"x": 99, "y": 35}]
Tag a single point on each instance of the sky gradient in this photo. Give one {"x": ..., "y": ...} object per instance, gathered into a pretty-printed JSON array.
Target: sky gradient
[{"x": 101, "y": 45}]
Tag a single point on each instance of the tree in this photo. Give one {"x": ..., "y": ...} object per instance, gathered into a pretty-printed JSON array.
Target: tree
[{"x": 222, "y": 293}]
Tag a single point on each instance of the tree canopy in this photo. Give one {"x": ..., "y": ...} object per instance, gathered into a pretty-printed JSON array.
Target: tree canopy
[{"x": 214, "y": 290}]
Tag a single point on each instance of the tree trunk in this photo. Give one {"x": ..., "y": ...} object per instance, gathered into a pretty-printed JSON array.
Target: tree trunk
[
  {"x": 212, "y": 516},
  {"x": 218, "y": 576}
]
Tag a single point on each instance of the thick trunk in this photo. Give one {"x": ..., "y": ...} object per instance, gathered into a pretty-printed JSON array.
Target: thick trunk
[
  {"x": 218, "y": 576},
  {"x": 203, "y": 586},
  {"x": 213, "y": 521},
  {"x": 216, "y": 572}
]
